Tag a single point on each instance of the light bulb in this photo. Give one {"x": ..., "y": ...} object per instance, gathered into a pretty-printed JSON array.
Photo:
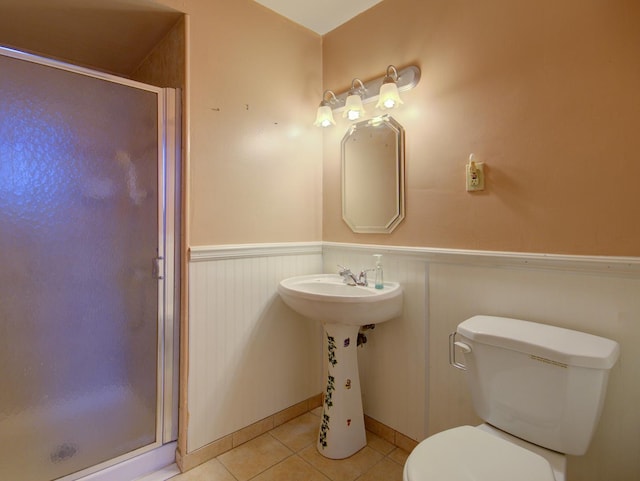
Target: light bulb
[
  {"x": 324, "y": 117},
  {"x": 389, "y": 96},
  {"x": 353, "y": 107},
  {"x": 353, "y": 115}
]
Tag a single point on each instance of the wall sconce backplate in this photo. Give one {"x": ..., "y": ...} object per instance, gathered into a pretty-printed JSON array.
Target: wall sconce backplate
[{"x": 408, "y": 78}]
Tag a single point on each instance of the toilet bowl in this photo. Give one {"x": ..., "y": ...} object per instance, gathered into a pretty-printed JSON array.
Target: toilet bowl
[
  {"x": 482, "y": 453},
  {"x": 539, "y": 388}
]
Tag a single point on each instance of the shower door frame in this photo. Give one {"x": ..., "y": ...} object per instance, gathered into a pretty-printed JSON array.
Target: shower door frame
[{"x": 167, "y": 264}]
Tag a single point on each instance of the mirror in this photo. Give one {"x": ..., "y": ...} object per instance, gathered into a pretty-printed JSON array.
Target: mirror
[{"x": 373, "y": 175}]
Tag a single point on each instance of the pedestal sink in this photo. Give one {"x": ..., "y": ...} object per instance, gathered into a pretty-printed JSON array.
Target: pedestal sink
[{"x": 342, "y": 309}]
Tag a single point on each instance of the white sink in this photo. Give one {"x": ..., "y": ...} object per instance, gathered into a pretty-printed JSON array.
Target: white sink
[
  {"x": 326, "y": 298},
  {"x": 343, "y": 310}
]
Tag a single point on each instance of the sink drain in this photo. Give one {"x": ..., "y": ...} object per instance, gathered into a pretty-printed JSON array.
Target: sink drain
[{"x": 63, "y": 452}]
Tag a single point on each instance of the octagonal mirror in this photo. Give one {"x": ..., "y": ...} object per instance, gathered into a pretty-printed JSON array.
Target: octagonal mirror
[{"x": 373, "y": 175}]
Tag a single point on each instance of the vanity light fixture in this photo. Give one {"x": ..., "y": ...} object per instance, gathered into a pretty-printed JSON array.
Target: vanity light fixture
[
  {"x": 324, "y": 116},
  {"x": 385, "y": 89},
  {"x": 389, "y": 96},
  {"x": 354, "y": 109}
]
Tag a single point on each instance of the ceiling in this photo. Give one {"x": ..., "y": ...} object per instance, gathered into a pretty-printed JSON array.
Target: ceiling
[{"x": 321, "y": 16}]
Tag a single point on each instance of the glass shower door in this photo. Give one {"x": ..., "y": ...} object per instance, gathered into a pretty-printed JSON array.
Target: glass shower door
[{"x": 80, "y": 228}]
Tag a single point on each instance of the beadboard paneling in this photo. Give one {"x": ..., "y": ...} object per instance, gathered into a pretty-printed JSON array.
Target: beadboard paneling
[
  {"x": 603, "y": 305},
  {"x": 249, "y": 355},
  {"x": 393, "y": 367},
  {"x": 406, "y": 380}
]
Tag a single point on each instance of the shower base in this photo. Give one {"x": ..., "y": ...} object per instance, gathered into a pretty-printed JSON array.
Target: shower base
[
  {"x": 155, "y": 465},
  {"x": 70, "y": 435}
]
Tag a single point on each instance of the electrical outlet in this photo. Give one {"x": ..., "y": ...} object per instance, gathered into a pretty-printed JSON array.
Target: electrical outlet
[{"x": 475, "y": 176}]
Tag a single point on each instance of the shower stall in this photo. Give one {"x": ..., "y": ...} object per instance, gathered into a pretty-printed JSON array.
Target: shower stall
[{"x": 89, "y": 269}]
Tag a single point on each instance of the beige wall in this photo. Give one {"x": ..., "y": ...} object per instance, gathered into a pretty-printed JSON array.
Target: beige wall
[
  {"x": 544, "y": 92},
  {"x": 254, "y": 80},
  {"x": 253, "y": 165}
]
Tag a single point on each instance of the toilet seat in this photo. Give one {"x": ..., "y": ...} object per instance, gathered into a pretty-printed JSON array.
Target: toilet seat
[{"x": 466, "y": 453}]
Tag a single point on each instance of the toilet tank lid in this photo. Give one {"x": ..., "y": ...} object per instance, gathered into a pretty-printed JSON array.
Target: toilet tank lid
[{"x": 565, "y": 346}]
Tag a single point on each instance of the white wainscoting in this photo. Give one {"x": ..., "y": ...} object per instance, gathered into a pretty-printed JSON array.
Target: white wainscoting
[
  {"x": 393, "y": 367},
  {"x": 249, "y": 355},
  {"x": 407, "y": 382}
]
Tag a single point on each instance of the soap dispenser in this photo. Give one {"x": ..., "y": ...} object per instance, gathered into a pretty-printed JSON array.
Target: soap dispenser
[{"x": 379, "y": 274}]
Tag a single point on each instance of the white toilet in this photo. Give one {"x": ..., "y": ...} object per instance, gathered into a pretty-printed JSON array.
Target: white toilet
[{"x": 540, "y": 390}]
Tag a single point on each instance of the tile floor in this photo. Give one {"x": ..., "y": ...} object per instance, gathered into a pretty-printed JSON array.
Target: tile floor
[{"x": 288, "y": 453}]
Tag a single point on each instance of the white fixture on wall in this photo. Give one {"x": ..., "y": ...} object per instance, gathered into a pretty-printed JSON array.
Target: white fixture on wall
[
  {"x": 386, "y": 89},
  {"x": 324, "y": 116},
  {"x": 475, "y": 174},
  {"x": 343, "y": 309},
  {"x": 353, "y": 108},
  {"x": 389, "y": 96}
]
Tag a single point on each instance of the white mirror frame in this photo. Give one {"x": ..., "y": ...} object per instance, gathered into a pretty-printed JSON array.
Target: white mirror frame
[{"x": 373, "y": 176}]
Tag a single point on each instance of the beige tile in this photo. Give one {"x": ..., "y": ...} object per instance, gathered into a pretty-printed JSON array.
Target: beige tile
[
  {"x": 204, "y": 454},
  {"x": 291, "y": 469},
  {"x": 252, "y": 431},
  {"x": 254, "y": 457},
  {"x": 212, "y": 470},
  {"x": 342, "y": 469},
  {"x": 405, "y": 442},
  {"x": 314, "y": 402},
  {"x": 317, "y": 411},
  {"x": 382, "y": 430},
  {"x": 385, "y": 470},
  {"x": 376, "y": 442},
  {"x": 399, "y": 455},
  {"x": 299, "y": 432},
  {"x": 290, "y": 413}
]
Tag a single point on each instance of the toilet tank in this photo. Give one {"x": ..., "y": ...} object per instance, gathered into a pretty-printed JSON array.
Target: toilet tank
[{"x": 541, "y": 383}]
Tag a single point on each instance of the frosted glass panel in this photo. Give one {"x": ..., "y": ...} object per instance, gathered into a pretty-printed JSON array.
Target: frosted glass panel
[{"x": 78, "y": 302}]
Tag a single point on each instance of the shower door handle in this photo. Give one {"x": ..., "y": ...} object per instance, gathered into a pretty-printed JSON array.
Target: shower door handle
[{"x": 157, "y": 268}]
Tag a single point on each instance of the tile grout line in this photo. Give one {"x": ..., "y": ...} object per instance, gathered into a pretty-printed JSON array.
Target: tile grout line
[
  {"x": 291, "y": 453},
  {"x": 385, "y": 450},
  {"x": 297, "y": 454}
]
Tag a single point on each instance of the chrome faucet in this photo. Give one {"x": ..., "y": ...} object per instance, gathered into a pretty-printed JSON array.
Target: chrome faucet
[{"x": 350, "y": 278}]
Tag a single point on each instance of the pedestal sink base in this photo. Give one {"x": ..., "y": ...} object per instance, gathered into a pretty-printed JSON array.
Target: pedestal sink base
[
  {"x": 342, "y": 430},
  {"x": 342, "y": 309}
]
